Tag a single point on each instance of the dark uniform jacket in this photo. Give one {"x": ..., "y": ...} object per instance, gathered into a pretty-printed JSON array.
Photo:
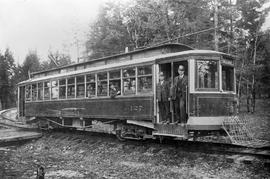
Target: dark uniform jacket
[
  {"x": 163, "y": 91},
  {"x": 179, "y": 87}
]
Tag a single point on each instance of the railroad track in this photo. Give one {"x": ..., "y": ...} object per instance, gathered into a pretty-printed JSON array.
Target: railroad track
[
  {"x": 190, "y": 146},
  {"x": 8, "y": 119},
  {"x": 247, "y": 155}
]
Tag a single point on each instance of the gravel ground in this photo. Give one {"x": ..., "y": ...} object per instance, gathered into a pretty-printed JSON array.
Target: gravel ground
[{"x": 102, "y": 156}]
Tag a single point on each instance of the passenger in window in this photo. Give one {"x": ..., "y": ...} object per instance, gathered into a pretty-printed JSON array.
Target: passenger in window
[
  {"x": 125, "y": 73},
  {"x": 90, "y": 91},
  {"x": 179, "y": 95},
  {"x": 114, "y": 91},
  {"x": 126, "y": 86},
  {"x": 133, "y": 86},
  {"x": 163, "y": 98}
]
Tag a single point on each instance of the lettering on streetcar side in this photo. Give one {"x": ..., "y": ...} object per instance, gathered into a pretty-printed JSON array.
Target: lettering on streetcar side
[{"x": 134, "y": 108}]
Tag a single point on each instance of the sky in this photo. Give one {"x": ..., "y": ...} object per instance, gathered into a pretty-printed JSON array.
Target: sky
[
  {"x": 48, "y": 25},
  {"x": 45, "y": 25}
]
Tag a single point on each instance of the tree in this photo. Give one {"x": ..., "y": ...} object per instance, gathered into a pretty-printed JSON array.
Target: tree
[
  {"x": 7, "y": 68},
  {"x": 250, "y": 44},
  {"x": 108, "y": 35}
]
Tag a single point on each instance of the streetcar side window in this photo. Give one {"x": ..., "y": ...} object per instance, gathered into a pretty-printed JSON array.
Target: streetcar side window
[
  {"x": 80, "y": 86},
  {"x": 71, "y": 87},
  {"x": 28, "y": 93},
  {"x": 207, "y": 74},
  {"x": 129, "y": 81},
  {"x": 47, "y": 86},
  {"x": 40, "y": 91},
  {"x": 102, "y": 81},
  {"x": 90, "y": 85},
  {"x": 227, "y": 78},
  {"x": 115, "y": 82},
  {"x": 54, "y": 90},
  {"x": 62, "y": 89},
  {"x": 145, "y": 79},
  {"x": 34, "y": 92}
]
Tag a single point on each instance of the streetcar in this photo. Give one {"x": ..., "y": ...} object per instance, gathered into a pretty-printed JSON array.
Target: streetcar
[{"x": 77, "y": 96}]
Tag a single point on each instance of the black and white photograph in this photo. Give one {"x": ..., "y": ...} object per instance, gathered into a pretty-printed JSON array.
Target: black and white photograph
[{"x": 134, "y": 89}]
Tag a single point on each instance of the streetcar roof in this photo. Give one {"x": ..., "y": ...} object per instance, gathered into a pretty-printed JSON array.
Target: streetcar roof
[{"x": 126, "y": 64}]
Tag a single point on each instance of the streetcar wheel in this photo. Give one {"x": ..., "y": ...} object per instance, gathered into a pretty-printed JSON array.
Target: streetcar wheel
[{"x": 119, "y": 136}]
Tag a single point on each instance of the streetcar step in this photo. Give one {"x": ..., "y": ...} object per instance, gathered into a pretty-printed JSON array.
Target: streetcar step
[{"x": 170, "y": 129}]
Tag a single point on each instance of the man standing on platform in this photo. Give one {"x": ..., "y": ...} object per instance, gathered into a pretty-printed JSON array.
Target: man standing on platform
[
  {"x": 163, "y": 91},
  {"x": 179, "y": 95}
]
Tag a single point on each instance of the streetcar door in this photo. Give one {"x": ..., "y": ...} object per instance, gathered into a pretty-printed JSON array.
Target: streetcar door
[
  {"x": 21, "y": 100},
  {"x": 164, "y": 105}
]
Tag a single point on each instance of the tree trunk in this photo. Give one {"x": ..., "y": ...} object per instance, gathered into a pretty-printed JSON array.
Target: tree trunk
[{"x": 253, "y": 91}]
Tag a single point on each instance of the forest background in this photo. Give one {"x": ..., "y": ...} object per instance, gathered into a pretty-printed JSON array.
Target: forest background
[{"x": 230, "y": 26}]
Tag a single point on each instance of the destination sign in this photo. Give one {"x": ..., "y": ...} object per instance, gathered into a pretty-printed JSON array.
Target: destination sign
[{"x": 227, "y": 61}]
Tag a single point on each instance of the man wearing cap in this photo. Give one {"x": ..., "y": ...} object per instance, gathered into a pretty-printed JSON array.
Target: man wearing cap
[
  {"x": 163, "y": 97},
  {"x": 179, "y": 95}
]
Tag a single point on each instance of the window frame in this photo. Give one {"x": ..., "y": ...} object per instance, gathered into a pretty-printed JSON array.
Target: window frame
[
  {"x": 72, "y": 84},
  {"x": 30, "y": 97},
  {"x": 65, "y": 85},
  {"x": 103, "y": 80},
  {"x": 130, "y": 77},
  {"x": 40, "y": 82},
  {"x": 89, "y": 82},
  {"x": 233, "y": 77},
  {"x": 144, "y": 76},
  {"x": 49, "y": 87},
  {"x": 197, "y": 88},
  {"x": 115, "y": 79},
  {"x": 80, "y": 83}
]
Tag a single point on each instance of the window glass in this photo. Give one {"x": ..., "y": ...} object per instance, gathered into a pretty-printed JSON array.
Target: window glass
[
  {"x": 102, "y": 89},
  {"x": 54, "y": 89},
  {"x": 207, "y": 72},
  {"x": 90, "y": 85},
  {"x": 80, "y": 86},
  {"x": 34, "y": 92},
  {"x": 227, "y": 78},
  {"x": 145, "y": 84},
  {"x": 115, "y": 74},
  {"x": 62, "y": 89},
  {"x": 40, "y": 91},
  {"x": 115, "y": 83},
  {"x": 71, "y": 88},
  {"x": 71, "y": 80},
  {"x": 129, "y": 72},
  {"x": 62, "y": 82},
  {"x": 102, "y": 76},
  {"x": 47, "y": 86},
  {"x": 145, "y": 70},
  {"x": 129, "y": 81},
  {"x": 28, "y": 93},
  {"x": 145, "y": 79}
]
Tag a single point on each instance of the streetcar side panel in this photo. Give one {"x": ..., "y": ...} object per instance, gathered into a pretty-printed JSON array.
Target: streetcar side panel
[{"x": 135, "y": 108}]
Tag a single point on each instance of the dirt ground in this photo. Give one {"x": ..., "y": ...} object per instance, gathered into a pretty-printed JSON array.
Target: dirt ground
[{"x": 103, "y": 156}]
